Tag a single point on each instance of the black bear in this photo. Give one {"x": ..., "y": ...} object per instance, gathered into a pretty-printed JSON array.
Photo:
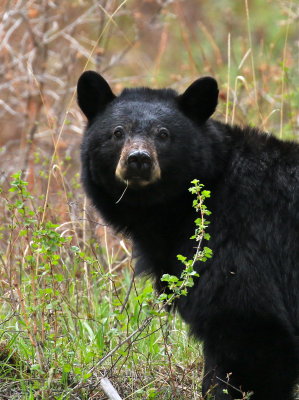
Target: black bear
[{"x": 140, "y": 151}]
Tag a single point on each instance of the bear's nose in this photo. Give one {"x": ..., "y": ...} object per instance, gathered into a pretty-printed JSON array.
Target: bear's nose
[{"x": 139, "y": 161}]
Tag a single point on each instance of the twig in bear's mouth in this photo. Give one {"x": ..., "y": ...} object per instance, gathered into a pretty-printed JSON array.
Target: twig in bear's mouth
[{"x": 122, "y": 195}]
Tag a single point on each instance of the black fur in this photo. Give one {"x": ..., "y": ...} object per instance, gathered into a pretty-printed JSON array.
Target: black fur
[{"x": 245, "y": 304}]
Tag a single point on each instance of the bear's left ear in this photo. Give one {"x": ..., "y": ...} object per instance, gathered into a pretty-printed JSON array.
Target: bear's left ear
[
  {"x": 93, "y": 93},
  {"x": 200, "y": 99}
]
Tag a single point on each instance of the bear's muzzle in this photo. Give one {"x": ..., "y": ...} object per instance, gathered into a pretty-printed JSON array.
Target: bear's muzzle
[{"x": 138, "y": 164}]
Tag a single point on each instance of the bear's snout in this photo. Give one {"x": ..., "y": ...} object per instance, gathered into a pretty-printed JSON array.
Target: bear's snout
[{"x": 138, "y": 165}]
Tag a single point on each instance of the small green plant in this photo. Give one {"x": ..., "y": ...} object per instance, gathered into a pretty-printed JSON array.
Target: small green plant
[{"x": 179, "y": 285}]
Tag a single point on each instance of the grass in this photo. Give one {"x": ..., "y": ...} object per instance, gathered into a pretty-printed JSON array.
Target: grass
[{"x": 71, "y": 313}]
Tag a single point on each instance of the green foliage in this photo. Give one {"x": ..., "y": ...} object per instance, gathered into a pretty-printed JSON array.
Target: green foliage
[
  {"x": 70, "y": 311},
  {"x": 179, "y": 285}
]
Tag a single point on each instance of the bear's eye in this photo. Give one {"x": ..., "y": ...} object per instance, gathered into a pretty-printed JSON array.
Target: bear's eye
[
  {"x": 119, "y": 132},
  {"x": 163, "y": 133}
]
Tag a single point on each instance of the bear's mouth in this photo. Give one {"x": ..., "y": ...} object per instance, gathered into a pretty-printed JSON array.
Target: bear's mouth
[
  {"x": 137, "y": 181},
  {"x": 134, "y": 180},
  {"x": 137, "y": 174}
]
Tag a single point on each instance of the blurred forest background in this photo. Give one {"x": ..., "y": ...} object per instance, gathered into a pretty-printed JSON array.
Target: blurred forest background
[{"x": 70, "y": 313}]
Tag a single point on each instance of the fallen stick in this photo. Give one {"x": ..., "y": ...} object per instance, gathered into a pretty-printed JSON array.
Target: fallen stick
[{"x": 109, "y": 390}]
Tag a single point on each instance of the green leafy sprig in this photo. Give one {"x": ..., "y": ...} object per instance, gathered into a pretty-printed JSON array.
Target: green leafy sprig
[{"x": 179, "y": 285}]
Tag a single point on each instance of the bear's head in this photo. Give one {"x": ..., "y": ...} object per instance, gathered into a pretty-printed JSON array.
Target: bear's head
[{"x": 145, "y": 138}]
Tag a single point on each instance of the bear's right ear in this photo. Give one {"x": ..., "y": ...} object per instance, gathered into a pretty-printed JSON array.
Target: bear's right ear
[
  {"x": 200, "y": 99},
  {"x": 93, "y": 93}
]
